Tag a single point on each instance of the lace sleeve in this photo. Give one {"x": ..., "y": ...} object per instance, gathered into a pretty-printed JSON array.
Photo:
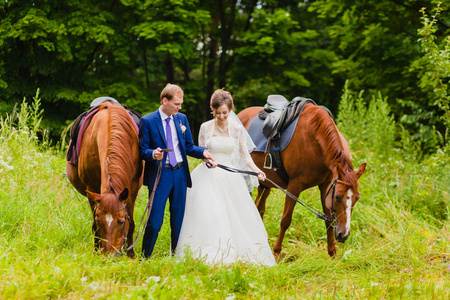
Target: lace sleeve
[
  {"x": 242, "y": 158},
  {"x": 243, "y": 150},
  {"x": 202, "y": 136}
]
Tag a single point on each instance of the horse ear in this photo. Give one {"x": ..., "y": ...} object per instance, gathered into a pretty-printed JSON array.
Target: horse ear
[
  {"x": 93, "y": 196},
  {"x": 361, "y": 170},
  {"x": 340, "y": 171},
  {"x": 124, "y": 195}
]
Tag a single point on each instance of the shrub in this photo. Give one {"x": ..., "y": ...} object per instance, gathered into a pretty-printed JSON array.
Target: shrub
[
  {"x": 418, "y": 186},
  {"x": 367, "y": 125}
]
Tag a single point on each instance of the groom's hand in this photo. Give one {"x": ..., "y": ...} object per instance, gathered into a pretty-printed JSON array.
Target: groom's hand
[{"x": 158, "y": 154}]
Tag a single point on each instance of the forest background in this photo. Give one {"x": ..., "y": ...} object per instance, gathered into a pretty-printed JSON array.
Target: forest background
[{"x": 77, "y": 50}]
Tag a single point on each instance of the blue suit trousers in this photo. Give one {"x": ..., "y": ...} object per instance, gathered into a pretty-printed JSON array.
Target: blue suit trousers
[{"x": 172, "y": 186}]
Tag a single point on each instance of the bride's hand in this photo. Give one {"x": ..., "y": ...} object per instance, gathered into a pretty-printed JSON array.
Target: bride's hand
[
  {"x": 261, "y": 175},
  {"x": 210, "y": 163}
]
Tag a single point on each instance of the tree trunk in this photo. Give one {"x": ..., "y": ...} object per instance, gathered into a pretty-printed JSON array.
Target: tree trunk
[
  {"x": 211, "y": 66},
  {"x": 147, "y": 83},
  {"x": 226, "y": 32},
  {"x": 168, "y": 66}
]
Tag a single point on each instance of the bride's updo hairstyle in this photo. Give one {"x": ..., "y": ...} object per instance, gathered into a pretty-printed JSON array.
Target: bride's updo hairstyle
[{"x": 221, "y": 97}]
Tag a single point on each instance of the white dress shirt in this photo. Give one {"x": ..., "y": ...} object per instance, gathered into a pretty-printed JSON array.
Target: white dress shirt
[{"x": 175, "y": 141}]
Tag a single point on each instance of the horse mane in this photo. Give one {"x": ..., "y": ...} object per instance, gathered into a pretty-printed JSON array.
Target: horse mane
[
  {"x": 119, "y": 160},
  {"x": 327, "y": 136}
]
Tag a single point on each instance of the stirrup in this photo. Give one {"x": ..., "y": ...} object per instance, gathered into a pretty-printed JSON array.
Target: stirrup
[{"x": 270, "y": 162}]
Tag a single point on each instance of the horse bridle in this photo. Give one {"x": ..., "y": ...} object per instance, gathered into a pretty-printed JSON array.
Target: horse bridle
[
  {"x": 125, "y": 232},
  {"x": 127, "y": 218},
  {"x": 333, "y": 195}
]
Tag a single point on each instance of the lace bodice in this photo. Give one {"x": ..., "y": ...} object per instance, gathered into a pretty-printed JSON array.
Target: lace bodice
[
  {"x": 230, "y": 150},
  {"x": 221, "y": 148}
]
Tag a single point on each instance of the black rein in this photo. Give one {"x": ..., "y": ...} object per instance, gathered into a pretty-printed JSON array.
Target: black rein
[{"x": 307, "y": 206}]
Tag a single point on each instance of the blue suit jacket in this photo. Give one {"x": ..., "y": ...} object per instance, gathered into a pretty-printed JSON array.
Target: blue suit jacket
[{"x": 151, "y": 136}]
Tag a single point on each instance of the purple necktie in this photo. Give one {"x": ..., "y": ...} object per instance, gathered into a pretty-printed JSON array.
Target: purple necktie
[{"x": 172, "y": 158}]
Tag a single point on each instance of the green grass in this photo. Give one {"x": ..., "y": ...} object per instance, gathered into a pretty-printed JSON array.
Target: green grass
[{"x": 399, "y": 246}]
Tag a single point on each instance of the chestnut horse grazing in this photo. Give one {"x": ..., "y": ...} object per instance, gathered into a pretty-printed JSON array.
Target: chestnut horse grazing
[
  {"x": 317, "y": 155},
  {"x": 109, "y": 173}
]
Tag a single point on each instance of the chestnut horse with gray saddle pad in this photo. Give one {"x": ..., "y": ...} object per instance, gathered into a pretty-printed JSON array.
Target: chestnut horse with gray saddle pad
[{"x": 312, "y": 153}]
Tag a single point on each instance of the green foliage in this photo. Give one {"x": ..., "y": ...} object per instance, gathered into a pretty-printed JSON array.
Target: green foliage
[
  {"x": 23, "y": 126},
  {"x": 375, "y": 138},
  {"x": 368, "y": 124},
  {"x": 429, "y": 126},
  {"x": 171, "y": 27},
  {"x": 436, "y": 65},
  {"x": 380, "y": 46},
  {"x": 279, "y": 54}
]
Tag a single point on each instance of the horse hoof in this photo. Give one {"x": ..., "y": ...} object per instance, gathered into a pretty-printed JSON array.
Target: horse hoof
[{"x": 277, "y": 256}]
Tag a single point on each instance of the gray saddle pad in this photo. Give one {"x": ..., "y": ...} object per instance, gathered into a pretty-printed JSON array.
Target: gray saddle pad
[{"x": 260, "y": 140}]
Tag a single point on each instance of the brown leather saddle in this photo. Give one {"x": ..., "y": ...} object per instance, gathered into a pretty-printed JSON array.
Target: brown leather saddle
[{"x": 278, "y": 114}]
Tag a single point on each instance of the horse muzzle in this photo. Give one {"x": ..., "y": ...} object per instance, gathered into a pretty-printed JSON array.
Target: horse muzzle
[{"x": 341, "y": 237}]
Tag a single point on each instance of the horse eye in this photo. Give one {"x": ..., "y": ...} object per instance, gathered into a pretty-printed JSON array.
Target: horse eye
[
  {"x": 338, "y": 198},
  {"x": 121, "y": 222}
]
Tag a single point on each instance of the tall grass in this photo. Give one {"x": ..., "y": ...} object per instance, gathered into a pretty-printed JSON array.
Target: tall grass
[
  {"x": 399, "y": 247},
  {"x": 419, "y": 185}
]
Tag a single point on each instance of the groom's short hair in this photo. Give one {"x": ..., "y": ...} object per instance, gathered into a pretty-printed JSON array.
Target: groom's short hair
[{"x": 169, "y": 91}]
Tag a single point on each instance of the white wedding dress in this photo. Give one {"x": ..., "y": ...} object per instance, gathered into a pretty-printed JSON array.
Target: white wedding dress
[{"x": 221, "y": 223}]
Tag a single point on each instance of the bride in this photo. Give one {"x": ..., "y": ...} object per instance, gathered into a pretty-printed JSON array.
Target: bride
[{"x": 221, "y": 223}]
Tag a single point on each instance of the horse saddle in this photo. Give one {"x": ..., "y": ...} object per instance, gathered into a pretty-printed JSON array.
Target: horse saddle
[
  {"x": 84, "y": 119},
  {"x": 136, "y": 116},
  {"x": 278, "y": 113},
  {"x": 272, "y": 112}
]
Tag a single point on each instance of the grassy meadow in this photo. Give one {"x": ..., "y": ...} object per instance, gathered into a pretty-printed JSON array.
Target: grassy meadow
[{"x": 399, "y": 246}]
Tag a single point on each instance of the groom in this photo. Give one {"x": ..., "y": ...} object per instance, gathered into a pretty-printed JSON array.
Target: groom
[{"x": 166, "y": 128}]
